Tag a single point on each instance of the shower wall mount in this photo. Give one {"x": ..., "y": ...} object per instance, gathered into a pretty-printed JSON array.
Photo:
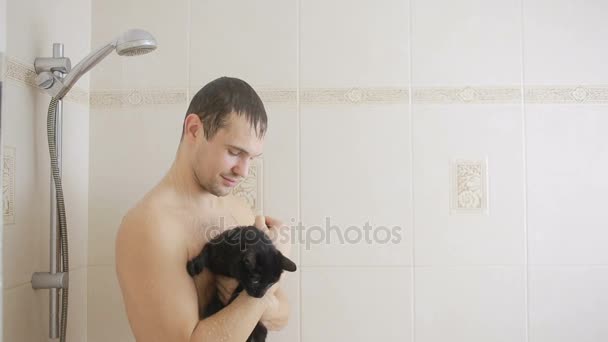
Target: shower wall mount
[{"x": 56, "y": 77}]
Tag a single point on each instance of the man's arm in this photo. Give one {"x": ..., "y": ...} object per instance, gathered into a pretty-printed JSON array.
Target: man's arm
[
  {"x": 160, "y": 297},
  {"x": 277, "y": 314}
]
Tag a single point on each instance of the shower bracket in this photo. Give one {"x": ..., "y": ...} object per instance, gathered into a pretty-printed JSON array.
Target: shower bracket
[
  {"x": 47, "y": 79},
  {"x": 47, "y": 280},
  {"x": 51, "y": 64}
]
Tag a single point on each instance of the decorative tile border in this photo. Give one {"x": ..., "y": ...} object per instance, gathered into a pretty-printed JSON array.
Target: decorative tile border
[
  {"x": 24, "y": 73},
  {"x": 354, "y": 96},
  {"x": 333, "y": 95},
  {"x": 278, "y": 95},
  {"x": 20, "y": 72},
  {"x": 136, "y": 98},
  {"x": 8, "y": 185},
  {"x": 469, "y": 191},
  {"x": 567, "y": 95},
  {"x": 251, "y": 187},
  {"x": 267, "y": 95},
  {"x": 467, "y": 95}
]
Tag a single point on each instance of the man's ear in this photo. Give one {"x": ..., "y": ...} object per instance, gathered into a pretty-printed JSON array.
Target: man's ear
[{"x": 193, "y": 126}]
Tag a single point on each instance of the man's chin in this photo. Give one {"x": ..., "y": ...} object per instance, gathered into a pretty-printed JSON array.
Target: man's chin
[{"x": 221, "y": 191}]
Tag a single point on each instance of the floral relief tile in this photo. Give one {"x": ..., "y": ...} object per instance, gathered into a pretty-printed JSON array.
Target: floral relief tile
[
  {"x": 469, "y": 186},
  {"x": 8, "y": 185},
  {"x": 250, "y": 189}
]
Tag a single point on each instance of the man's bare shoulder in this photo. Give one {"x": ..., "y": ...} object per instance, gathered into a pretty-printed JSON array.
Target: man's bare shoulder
[{"x": 149, "y": 225}]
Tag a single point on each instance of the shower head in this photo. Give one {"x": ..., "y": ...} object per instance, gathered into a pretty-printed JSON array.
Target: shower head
[{"x": 133, "y": 42}]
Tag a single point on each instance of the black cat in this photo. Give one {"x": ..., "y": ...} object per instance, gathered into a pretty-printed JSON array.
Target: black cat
[{"x": 247, "y": 254}]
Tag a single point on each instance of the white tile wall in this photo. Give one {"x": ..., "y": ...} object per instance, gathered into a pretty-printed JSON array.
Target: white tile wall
[
  {"x": 471, "y": 132},
  {"x": 467, "y": 42},
  {"x": 564, "y": 42},
  {"x": 476, "y": 304},
  {"x": 22, "y": 241},
  {"x": 255, "y": 41},
  {"x": 291, "y": 332},
  {"x": 22, "y": 318},
  {"x": 568, "y": 303},
  {"x": 567, "y": 166},
  {"x": 105, "y": 310},
  {"x": 3, "y": 26},
  {"x": 16, "y": 45},
  {"x": 77, "y": 324},
  {"x": 352, "y": 44},
  {"x": 356, "y": 304},
  {"x": 123, "y": 169},
  {"x": 362, "y": 153},
  {"x": 2, "y": 68},
  {"x": 76, "y": 179},
  {"x": 281, "y": 169}
]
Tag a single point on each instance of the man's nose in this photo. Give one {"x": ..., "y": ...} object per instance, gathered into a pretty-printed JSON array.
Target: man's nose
[{"x": 242, "y": 168}]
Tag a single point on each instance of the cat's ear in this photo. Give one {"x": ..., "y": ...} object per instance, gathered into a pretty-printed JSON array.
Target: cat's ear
[
  {"x": 248, "y": 259},
  {"x": 287, "y": 264}
]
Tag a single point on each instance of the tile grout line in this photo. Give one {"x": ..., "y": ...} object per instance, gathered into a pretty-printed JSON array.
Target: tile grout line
[
  {"x": 299, "y": 168},
  {"x": 525, "y": 179},
  {"x": 412, "y": 198},
  {"x": 188, "y": 49}
]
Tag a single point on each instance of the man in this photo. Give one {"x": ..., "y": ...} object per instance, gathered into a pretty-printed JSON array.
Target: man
[{"x": 223, "y": 132}]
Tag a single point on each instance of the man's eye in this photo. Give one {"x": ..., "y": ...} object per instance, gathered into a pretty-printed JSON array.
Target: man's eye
[{"x": 232, "y": 153}]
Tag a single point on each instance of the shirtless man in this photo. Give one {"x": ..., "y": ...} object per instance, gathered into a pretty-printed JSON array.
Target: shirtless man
[{"x": 222, "y": 133}]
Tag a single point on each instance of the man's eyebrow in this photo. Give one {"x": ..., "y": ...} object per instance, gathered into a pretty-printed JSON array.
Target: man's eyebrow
[{"x": 242, "y": 150}]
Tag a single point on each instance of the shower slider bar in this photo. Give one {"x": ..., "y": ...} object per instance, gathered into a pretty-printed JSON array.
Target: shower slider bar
[{"x": 57, "y": 279}]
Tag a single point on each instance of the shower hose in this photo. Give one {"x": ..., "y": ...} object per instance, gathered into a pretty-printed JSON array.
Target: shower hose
[{"x": 63, "y": 233}]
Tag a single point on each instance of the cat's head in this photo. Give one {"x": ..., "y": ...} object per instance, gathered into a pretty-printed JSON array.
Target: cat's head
[{"x": 262, "y": 267}]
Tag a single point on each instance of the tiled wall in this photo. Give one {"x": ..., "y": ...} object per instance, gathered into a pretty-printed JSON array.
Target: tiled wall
[
  {"x": 2, "y": 66},
  {"x": 373, "y": 110},
  {"x": 32, "y": 27}
]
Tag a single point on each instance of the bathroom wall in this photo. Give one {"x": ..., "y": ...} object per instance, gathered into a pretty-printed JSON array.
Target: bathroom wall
[
  {"x": 32, "y": 27},
  {"x": 2, "y": 64},
  {"x": 476, "y": 127}
]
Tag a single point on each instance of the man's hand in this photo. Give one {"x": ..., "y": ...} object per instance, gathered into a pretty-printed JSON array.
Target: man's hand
[{"x": 277, "y": 231}]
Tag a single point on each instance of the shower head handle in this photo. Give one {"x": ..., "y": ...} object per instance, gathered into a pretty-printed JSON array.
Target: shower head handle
[{"x": 84, "y": 66}]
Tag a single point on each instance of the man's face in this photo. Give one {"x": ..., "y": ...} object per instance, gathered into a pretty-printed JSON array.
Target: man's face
[{"x": 222, "y": 162}]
